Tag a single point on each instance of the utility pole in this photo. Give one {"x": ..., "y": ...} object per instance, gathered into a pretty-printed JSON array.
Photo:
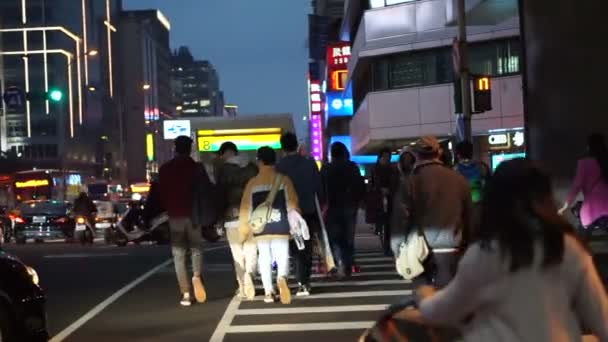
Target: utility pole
[{"x": 464, "y": 71}]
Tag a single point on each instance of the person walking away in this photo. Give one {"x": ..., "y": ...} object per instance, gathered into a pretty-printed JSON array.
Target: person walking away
[
  {"x": 178, "y": 179},
  {"x": 475, "y": 172},
  {"x": 273, "y": 241},
  {"x": 592, "y": 180},
  {"x": 306, "y": 179},
  {"x": 400, "y": 213},
  {"x": 232, "y": 175},
  {"x": 343, "y": 190},
  {"x": 526, "y": 276},
  {"x": 384, "y": 180},
  {"x": 441, "y": 208}
]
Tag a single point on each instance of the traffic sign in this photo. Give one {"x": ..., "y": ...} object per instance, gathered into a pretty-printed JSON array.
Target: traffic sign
[{"x": 14, "y": 97}]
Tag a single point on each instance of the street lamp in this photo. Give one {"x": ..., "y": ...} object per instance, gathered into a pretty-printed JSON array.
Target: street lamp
[
  {"x": 93, "y": 53},
  {"x": 146, "y": 86}
]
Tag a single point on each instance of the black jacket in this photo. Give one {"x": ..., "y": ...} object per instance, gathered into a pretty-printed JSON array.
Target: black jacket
[{"x": 342, "y": 185}]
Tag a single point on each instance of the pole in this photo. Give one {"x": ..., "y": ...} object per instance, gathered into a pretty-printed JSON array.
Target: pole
[{"x": 464, "y": 71}]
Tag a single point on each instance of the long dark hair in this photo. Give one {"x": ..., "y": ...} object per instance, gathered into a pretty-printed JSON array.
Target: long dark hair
[
  {"x": 597, "y": 149},
  {"x": 514, "y": 218}
]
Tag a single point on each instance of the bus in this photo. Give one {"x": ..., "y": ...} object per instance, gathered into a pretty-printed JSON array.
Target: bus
[{"x": 47, "y": 185}]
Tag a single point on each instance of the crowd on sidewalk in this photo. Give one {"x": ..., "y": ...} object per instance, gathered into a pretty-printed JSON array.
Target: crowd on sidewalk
[{"x": 492, "y": 250}]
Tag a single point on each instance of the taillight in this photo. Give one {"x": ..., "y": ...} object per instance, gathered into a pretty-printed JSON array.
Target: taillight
[
  {"x": 80, "y": 220},
  {"x": 18, "y": 219},
  {"x": 61, "y": 220}
]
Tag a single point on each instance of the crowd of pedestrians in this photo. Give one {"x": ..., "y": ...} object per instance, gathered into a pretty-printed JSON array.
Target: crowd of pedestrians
[{"x": 497, "y": 250}]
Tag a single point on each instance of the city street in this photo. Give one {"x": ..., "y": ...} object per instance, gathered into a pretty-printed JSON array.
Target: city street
[{"x": 107, "y": 293}]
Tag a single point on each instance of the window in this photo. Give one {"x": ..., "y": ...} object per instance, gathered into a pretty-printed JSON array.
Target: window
[
  {"x": 384, "y": 3},
  {"x": 434, "y": 66}
]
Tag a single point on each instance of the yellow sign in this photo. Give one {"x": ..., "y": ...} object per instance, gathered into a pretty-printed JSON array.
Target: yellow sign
[
  {"x": 246, "y": 131},
  {"x": 483, "y": 83},
  {"x": 243, "y": 142},
  {"x": 150, "y": 147},
  {"x": 33, "y": 183},
  {"x": 140, "y": 188}
]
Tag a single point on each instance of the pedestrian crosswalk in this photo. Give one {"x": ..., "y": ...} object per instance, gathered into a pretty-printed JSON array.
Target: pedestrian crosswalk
[{"x": 335, "y": 311}]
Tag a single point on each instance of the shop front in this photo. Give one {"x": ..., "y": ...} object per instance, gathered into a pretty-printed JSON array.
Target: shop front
[{"x": 501, "y": 145}]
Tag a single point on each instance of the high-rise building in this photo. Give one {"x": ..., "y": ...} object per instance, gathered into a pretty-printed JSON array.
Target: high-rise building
[
  {"x": 146, "y": 91},
  {"x": 195, "y": 86},
  {"x": 403, "y": 82},
  {"x": 66, "y": 49}
]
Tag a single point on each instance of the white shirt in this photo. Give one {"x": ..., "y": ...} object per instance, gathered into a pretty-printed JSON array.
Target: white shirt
[{"x": 531, "y": 304}]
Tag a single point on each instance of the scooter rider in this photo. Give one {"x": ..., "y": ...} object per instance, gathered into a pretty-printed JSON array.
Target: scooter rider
[{"x": 84, "y": 206}]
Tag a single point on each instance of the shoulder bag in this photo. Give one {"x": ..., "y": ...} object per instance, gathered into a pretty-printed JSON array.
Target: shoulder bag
[{"x": 262, "y": 213}]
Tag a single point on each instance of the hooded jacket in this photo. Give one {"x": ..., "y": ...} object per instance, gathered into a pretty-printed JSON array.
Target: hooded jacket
[
  {"x": 256, "y": 192},
  {"x": 231, "y": 177}
]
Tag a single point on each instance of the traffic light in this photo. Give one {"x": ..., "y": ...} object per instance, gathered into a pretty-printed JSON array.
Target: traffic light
[
  {"x": 54, "y": 95},
  {"x": 482, "y": 94}
]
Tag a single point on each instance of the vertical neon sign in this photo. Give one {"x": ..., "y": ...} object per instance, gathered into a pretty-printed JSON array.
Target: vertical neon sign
[{"x": 316, "y": 137}]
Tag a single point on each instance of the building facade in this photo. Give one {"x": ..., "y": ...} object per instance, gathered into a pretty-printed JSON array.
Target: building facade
[
  {"x": 146, "y": 91},
  {"x": 402, "y": 75},
  {"x": 66, "y": 48},
  {"x": 195, "y": 86}
]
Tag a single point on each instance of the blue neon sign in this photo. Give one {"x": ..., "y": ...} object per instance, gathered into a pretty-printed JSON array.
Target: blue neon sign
[
  {"x": 340, "y": 103},
  {"x": 358, "y": 159}
]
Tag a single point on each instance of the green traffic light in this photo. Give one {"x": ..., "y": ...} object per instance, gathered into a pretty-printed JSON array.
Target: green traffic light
[{"x": 55, "y": 95}]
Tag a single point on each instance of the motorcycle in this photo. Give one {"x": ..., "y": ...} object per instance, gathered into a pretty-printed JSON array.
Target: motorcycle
[
  {"x": 132, "y": 227},
  {"x": 587, "y": 232},
  {"x": 84, "y": 231}
]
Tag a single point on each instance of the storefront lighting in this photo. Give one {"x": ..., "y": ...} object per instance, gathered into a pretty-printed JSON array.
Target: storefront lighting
[{"x": 33, "y": 183}]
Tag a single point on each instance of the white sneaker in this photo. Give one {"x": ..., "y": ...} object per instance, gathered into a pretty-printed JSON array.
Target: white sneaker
[
  {"x": 269, "y": 298},
  {"x": 186, "y": 300}
]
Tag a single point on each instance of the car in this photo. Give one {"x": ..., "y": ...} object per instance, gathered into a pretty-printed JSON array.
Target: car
[
  {"x": 22, "y": 302},
  {"x": 43, "y": 220}
]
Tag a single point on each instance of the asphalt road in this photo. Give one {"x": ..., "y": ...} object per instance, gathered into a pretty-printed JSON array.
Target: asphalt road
[{"x": 107, "y": 293}]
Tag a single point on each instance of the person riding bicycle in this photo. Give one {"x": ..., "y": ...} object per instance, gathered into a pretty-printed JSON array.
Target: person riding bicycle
[{"x": 84, "y": 206}]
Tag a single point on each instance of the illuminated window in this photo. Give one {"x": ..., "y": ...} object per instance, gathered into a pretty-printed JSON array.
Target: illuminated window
[{"x": 204, "y": 103}]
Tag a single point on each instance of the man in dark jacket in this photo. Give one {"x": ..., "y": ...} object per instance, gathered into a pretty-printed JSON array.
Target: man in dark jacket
[
  {"x": 178, "y": 179},
  {"x": 232, "y": 172},
  {"x": 343, "y": 189},
  {"x": 306, "y": 179},
  {"x": 441, "y": 207}
]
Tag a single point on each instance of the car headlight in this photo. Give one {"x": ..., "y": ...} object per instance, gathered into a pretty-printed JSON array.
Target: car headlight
[{"x": 33, "y": 274}]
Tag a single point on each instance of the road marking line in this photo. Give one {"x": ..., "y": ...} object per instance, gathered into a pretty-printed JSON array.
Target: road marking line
[
  {"x": 351, "y": 283},
  {"x": 83, "y": 255},
  {"x": 313, "y": 309},
  {"x": 361, "y": 274},
  {"x": 65, "y": 333},
  {"x": 358, "y": 294},
  {"x": 222, "y": 327},
  {"x": 239, "y": 329}
]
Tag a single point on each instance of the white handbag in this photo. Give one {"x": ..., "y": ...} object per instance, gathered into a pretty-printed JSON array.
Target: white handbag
[{"x": 412, "y": 254}]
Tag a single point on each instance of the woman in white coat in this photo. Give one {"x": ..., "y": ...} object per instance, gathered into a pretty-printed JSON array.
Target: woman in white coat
[{"x": 527, "y": 277}]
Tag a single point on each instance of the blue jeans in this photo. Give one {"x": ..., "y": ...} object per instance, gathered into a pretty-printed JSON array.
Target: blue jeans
[{"x": 341, "y": 223}]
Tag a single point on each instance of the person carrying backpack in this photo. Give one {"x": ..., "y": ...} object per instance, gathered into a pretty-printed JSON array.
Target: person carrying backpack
[{"x": 475, "y": 172}]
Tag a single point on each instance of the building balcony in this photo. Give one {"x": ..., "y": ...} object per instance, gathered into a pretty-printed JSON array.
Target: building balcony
[
  {"x": 417, "y": 25},
  {"x": 396, "y": 117}
]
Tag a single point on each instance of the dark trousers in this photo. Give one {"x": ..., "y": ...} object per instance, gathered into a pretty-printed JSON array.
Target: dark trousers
[
  {"x": 303, "y": 258},
  {"x": 341, "y": 231},
  {"x": 442, "y": 268}
]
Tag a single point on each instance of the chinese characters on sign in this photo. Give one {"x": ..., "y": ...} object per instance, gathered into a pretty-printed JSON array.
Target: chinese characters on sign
[
  {"x": 338, "y": 55},
  {"x": 316, "y": 98}
]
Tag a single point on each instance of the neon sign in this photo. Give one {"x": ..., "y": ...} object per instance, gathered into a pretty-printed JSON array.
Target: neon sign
[
  {"x": 243, "y": 142},
  {"x": 338, "y": 55},
  {"x": 316, "y": 138},
  {"x": 33, "y": 183},
  {"x": 316, "y": 98},
  {"x": 340, "y": 103}
]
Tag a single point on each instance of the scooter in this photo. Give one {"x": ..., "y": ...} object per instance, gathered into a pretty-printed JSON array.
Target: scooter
[
  {"x": 84, "y": 231},
  {"x": 133, "y": 228}
]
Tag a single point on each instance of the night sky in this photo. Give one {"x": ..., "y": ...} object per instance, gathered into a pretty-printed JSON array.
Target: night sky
[{"x": 258, "y": 47}]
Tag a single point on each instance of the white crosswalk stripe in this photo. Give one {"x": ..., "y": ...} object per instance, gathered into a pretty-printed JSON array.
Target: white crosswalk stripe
[{"x": 336, "y": 309}]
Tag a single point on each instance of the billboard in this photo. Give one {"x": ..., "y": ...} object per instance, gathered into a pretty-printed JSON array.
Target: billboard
[
  {"x": 175, "y": 128},
  {"x": 245, "y": 139}
]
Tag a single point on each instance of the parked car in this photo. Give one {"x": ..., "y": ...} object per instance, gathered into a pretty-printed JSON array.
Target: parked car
[
  {"x": 22, "y": 302},
  {"x": 43, "y": 220}
]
